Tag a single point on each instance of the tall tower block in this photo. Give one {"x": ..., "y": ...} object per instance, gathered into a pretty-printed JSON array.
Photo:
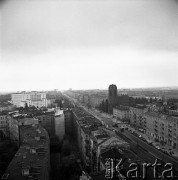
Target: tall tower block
[{"x": 112, "y": 97}]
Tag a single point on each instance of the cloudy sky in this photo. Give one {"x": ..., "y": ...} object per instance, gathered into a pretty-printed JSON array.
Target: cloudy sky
[{"x": 85, "y": 44}]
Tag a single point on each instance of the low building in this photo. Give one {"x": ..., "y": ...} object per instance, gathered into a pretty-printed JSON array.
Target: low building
[
  {"x": 108, "y": 161},
  {"x": 113, "y": 155},
  {"x": 102, "y": 143}
]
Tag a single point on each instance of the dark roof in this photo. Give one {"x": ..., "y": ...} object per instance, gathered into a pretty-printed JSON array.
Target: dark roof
[
  {"x": 98, "y": 175},
  {"x": 32, "y": 156},
  {"x": 112, "y": 153}
]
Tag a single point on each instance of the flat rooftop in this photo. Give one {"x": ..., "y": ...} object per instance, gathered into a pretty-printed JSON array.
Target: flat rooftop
[{"x": 86, "y": 121}]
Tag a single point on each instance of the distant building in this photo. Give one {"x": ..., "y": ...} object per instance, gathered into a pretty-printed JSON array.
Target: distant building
[
  {"x": 115, "y": 99},
  {"x": 6, "y": 107},
  {"x": 36, "y": 99},
  {"x": 112, "y": 97},
  {"x": 121, "y": 113},
  {"x": 96, "y": 100}
]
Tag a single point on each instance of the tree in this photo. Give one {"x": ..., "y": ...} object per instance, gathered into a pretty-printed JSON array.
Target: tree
[
  {"x": 131, "y": 101},
  {"x": 59, "y": 103},
  {"x": 151, "y": 100},
  {"x": 20, "y": 108}
]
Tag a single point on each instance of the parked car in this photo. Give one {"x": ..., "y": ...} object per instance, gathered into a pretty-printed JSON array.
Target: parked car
[
  {"x": 143, "y": 139},
  {"x": 166, "y": 152},
  {"x": 157, "y": 147}
]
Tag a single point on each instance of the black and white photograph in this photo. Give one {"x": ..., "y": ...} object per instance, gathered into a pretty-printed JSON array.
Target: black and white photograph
[{"x": 88, "y": 89}]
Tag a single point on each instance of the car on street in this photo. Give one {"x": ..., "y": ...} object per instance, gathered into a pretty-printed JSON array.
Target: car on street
[
  {"x": 164, "y": 151},
  {"x": 142, "y": 138},
  {"x": 157, "y": 147}
]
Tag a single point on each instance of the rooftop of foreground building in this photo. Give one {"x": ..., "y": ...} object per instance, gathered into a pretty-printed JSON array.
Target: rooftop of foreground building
[{"x": 31, "y": 162}]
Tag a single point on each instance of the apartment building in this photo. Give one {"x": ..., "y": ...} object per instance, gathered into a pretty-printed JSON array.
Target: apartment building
[
  {"x": 136, "y": 115},
  {"x": 47, "y": 121},
  {"x": 37, "y": 99},
  {"x": 15, "y": 123},
  {"x": 163, "y": 128},
  {"x": 4, "y": 125},
  {"x": 121, "y": 113},
  {"x": 32, "y": 160},
  {"x": 84, "y": 124}
]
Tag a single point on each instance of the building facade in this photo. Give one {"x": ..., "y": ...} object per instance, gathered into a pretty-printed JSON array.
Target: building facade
[
  {"x": 163, "y": 128},
  {"x": 112, "y": 97},
  {"x": 121, "y": 113},
  {"x": 47, "y": 121},
  {"x": 15, "y": 123},
  {"x": 136, "y": 116},
  {"x": 36, "y": 99},
  {"x": 4, "y": 125}
]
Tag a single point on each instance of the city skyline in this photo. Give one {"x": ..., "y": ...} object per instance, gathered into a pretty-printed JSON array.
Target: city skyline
[{"x": 88, "y": 45}]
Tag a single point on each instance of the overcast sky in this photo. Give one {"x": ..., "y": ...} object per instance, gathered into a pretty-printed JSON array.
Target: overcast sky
[{"x": 88, "y": 44}]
